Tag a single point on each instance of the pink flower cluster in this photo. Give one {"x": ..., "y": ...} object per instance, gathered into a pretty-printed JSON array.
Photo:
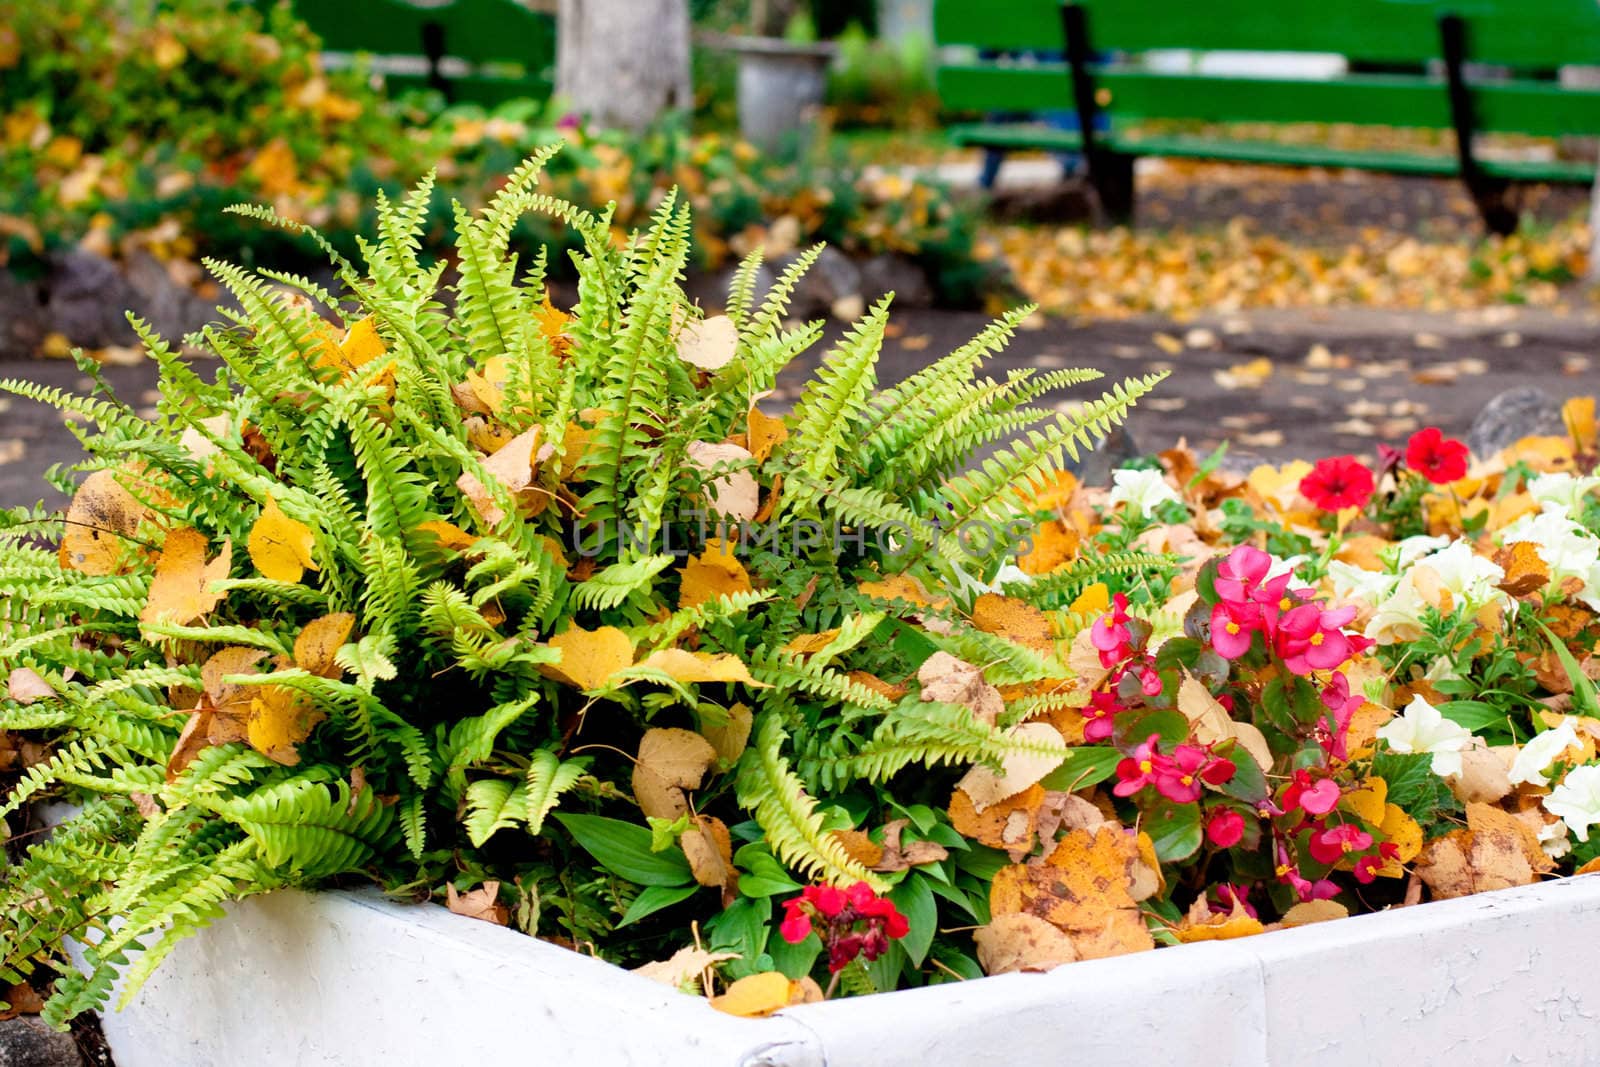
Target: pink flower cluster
[
  {"x": 1301, "y": 633},
  {"x": 1179, "y": 777},
  {"x": 851, "y": 922}
]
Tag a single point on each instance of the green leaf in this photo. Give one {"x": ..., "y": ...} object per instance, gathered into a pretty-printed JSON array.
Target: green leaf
[
  {"x": 1174, "y": 829},
  {"x": 1248, "y": 783},
  {"x": 1085, "y": 766},
  {"x": 795, "y": 960},
  {"x": 741, "y": 927},
  {"x": 1585, "y": 698},
  {"x": 915, "y": 900},
  {"x": 1475, "y": 715},
  {"x": 653, "y": 899},
  {"x": 624, "y": 849}
]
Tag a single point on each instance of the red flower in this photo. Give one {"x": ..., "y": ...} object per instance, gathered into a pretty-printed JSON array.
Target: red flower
[
  {"x": 1368, "y": 866},
  {"x": 853, "y": 922},
  {"x": 1337, "y": 483},
  {"x": 1099, "y": 717},
  {"x": 1334, "y": 844},
  {"x": 1139, "y": 770},
  {"x": 1317, "y": 799},
  {"x": 1225, "y": 828},
  {"x": 1438, "y": 458}
]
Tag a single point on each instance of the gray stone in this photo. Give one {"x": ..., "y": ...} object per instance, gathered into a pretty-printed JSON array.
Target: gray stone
[
  {"x": 833, "y": 278},
  {"x": 23, "y": 322},
  {"x": 172, "y": 310},
  {"x": 1516, "y": 413},
  {"x": 87, "y": 297},
  {"x": 27, "y": 1042},
  {"x": 900, "y": 275},
  {"x": 1095, "y": 466}
]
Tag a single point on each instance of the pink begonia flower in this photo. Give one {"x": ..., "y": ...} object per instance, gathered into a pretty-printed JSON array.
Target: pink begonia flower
[
  {"x": 1138, "y": 770},
  {"x": 1110, "y": 633},
  {"x": 1225, "y": 828},
  {"x": 1317, "y": 798},
  {"x": 1310, "y": 638},
  {"x": 1337, "y": 842}
]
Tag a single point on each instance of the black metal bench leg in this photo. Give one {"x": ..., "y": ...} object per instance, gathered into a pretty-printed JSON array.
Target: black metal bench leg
[
  {"x": 1110, "y": 172},
  {"x": 1489, "y": 194}
]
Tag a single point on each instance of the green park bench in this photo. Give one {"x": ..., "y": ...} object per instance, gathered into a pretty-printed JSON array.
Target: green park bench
[
  {"x": 1414, "y": 63},
  {"x": 478, "y": 51}
]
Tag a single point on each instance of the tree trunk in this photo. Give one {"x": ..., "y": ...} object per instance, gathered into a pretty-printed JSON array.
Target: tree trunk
[{"x": 621, "y": 63}]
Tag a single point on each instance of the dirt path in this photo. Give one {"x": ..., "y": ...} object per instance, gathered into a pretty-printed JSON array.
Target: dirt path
[{"x": 1246, "y": 380}]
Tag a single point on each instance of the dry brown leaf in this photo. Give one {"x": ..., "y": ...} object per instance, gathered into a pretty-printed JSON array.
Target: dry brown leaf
[
  {"x": 448, "y": 534},
  {"x": 589, "y": 657},
  {"x": 194, "y": 738},
  {"x": 1082, "y": 888},
  {"x": 1021, "y": 942},
  {"x": 859, "y": 845},
  {"x": 895, "y": 856},
  {"x": 512, "y": 467},
  {"x": 481, "y": 903},
  {"x": 670, "y": 761},
  {"x": 100, "y": 523},
  {"x": 24, "y": 685},
  {"x": 1010, "y": 824},
  {"x": 24, "y": 1000},
  {"x": 1018, "y": 770},
  {"x": 730, "y": 738},
  {"x": 1496, "y": 851},
  {"x": 949, "y": 680},
  {"x": 734, "y": 495},
  {"x": 1314, "y": 911},
  {"x": 709, "y": 344},
  {"x": 709, "y": 849},
  {"x": 229, "y": 701},
  {"x": 180, "y": 591},
  {"x": 1484, "y": 774},
  {"x": 683, "y": 969}
]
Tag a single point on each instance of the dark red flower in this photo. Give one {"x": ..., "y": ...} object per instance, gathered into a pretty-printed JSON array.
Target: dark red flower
[
  {"x": 851, "y": 922},
  {"x": 1438, "y": 458},
  {"x": 1225, "y": 828},
  {"x": 1338, "y": 482}
]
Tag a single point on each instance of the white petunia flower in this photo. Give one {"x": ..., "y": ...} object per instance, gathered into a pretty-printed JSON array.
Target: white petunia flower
[
  {"x": 1414, "y": 548},
  {"x": 1576, "y": 801},
  {"x": 1554, "y": 840},
  {"x": 1398, "y": 618},
  {"x": 1423, "y": 729},
  {"x": 1566, "y": 548},
  {"x": 1350, "y": 582},
  {"x": 1563, "y": 490},
  {"x": 1535, "y": 757},
  {"x": 1468, "y": 576},
  {"x": 1142, "y": 491}
]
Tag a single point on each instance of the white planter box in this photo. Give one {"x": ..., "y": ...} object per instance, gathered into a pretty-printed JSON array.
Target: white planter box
[{"x": 349, "y": 978}]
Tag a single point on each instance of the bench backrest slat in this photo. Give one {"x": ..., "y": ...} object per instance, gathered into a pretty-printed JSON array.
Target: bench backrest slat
[
  {"x": 1540, "y": 34},
  {"x": 1536, "y": 108},
  {"x": 479, "y": 32}
]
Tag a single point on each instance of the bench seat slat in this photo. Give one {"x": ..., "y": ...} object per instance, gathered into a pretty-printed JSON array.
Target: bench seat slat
[{"x": 1033, "y": 136}]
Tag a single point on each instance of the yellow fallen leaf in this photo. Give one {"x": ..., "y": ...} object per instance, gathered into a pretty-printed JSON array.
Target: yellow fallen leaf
[
  {"x": 764, "y": 433},
  {"x": 1015, "y": 620},
  {"x": 731, "y": 737},
  {"x": 281, "y": 718},
  {"x": 589, "y": 657},
  {"x": 1314, "y": 911},
  {"x": 712, "y": 574},
  {"x": 448, "y": 534},
  {"x": 361, "y": 344},
  {"x": 100, "y": 524},
  {"x": 280, "y": 547},
  {"x": 1203, "y": 924},
  {"x": 321, "y": 639},
  {"x": 180, "y": 591},
  {"x": 755, "y": 995},
  {"x": 1578, "y": 414},
  {"x": 684, "y": 666},
  {"x": 274, "y": 169}
]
